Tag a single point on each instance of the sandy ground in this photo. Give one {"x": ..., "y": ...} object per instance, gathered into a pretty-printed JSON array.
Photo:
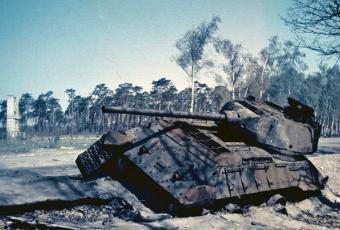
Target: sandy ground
[{"x": 45, "y": 177}]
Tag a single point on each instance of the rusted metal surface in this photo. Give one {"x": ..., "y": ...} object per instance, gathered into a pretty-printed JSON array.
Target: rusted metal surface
[{"x": 182, "y": 164}]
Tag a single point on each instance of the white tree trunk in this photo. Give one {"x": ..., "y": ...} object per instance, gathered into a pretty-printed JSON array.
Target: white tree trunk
[
  {"x": 262, "y": 78},
  {"x": 245, "y": 92},
  {"x": 233, "y": 87},
  {"x": 332, "y": 127},
  {"x": 192, "y": 91},
  {"x": 233, "y": 92}
]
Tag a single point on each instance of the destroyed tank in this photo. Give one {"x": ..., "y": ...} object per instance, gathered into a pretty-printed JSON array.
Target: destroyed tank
[{"x": 190, "y": 161}]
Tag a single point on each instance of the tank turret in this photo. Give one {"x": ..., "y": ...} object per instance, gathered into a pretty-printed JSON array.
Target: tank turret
[{"x": 290, "y": 131}]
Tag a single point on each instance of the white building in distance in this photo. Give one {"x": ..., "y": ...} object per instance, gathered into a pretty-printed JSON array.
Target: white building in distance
[{"x": 12, "y": 123}]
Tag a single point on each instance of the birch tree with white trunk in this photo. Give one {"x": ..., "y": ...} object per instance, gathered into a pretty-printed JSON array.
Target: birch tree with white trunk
[
  {"x": 191, "y": 46},
  {"x": 233, "y": 66}
]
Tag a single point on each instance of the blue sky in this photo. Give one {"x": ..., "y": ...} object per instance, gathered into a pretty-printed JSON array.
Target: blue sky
[{"x": 55, "y": 45}]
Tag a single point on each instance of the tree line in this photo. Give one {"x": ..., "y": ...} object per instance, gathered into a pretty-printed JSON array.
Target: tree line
[
  {"x": 278, "y": 71},
  {"x": 43, "y": 115}
]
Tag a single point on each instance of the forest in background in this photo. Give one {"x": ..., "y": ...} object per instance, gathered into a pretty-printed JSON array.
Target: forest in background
[{"x": 278, "y": 71}]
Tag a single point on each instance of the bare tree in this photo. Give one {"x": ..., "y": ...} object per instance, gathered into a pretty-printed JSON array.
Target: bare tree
[
  {"x": 316, "y": 24},
  {"x": 234, "y": 66},
  {"x": 267, "y": 58},
  {"x": 191, "y": 48}
]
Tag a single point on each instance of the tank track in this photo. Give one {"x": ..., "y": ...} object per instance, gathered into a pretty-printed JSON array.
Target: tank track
[{"x": 90, "y": 161}]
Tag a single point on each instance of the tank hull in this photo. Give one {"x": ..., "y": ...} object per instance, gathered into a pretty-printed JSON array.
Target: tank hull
[{"x": 176, "y": 166}]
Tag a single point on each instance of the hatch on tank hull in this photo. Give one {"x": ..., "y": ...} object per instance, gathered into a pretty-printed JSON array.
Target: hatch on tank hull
[{"x": 181, "y": 165}]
